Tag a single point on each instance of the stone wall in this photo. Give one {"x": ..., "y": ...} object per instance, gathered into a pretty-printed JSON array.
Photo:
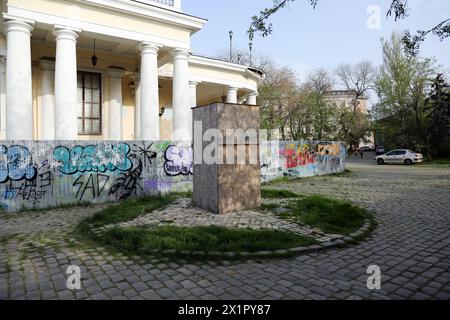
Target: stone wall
[{"x": 49, "y": 173}]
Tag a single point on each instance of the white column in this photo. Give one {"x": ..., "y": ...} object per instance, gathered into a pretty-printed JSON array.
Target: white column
[
  {"x": 232, "y": 95},
  {"x": 192, "y": 103},
  {"x": 2, "y": 97},
  {"x": 149, "y": 93},
  {"x": 180, "y": 99},
  {"x": 47, "y": 99},
  {"x": 19, "y": 103},
  {"x": 115, "y": 103},
  {"x": 137, "y": 105},
  {"x": 66, "y": 115},
  {"x": 251, "y": 99}
]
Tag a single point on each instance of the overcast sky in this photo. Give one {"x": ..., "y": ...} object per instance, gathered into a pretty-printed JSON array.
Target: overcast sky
[{"x": 335, "y": 32}]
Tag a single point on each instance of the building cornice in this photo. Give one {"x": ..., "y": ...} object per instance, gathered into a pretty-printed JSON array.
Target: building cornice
[
  {"x": 215, "y": 63},
  {"x": 155, "y": 12},
  {"x": 92, "y": 27},
  {"x": 225, "y": 65}
]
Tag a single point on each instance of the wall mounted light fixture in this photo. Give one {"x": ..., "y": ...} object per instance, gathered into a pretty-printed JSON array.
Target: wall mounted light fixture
[{"x": 94, "y": 58}]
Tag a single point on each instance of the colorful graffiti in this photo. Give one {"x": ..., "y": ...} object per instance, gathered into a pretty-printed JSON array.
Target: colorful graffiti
[
  {"x": 38, "y": 174},
  {"x": 300, "y": 158}
]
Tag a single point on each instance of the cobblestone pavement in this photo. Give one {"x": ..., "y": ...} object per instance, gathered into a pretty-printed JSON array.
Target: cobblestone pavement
[
  {"x": 182, "y": 213},
  {"x": 411, "y": 245}
]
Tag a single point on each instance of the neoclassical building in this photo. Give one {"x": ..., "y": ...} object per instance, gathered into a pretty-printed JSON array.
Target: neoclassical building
[{"x": 108, "y": 70}]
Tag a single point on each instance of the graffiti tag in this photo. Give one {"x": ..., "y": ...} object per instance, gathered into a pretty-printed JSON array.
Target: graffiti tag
[
  {"x": 16, "y": 163},
  {"x": 178, "y": 161},
  {"x": 98, "y": 158}
]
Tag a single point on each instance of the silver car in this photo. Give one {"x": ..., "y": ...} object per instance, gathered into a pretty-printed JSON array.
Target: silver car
[{"x": 400, "y": 156}]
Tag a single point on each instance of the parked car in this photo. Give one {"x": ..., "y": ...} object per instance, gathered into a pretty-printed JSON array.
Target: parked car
[
  {"x": 380, "y": 150},
  {"x": 400, "y": 156}
]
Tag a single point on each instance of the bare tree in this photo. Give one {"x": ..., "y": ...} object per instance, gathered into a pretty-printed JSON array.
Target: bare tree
[
  {"x": 318, "y": 83},
  {"x": 320, "y": 80},
  {"x": 358, "y": 79}
]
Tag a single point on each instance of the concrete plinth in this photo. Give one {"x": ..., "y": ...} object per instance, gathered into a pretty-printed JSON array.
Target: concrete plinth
[{"x": 226, "y": 162}]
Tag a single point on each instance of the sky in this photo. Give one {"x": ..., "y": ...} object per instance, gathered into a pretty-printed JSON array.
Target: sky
[{"x": 305, "y": 39}]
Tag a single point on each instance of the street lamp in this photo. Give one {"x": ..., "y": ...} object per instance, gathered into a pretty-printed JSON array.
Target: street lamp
[
  {"x": 231, "y": 44},
  {"x": 250, "y": 46}
]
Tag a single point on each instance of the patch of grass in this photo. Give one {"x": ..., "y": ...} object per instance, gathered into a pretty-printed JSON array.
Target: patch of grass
[
  {"x": 143, "y": 241},
  {"x": 8, "y": 266},
  {"x": 438, "y": 161},
  {"x": 277, "y": 194},
  {"x": 269, "y": 206},
  {"x": 284, "y": 179},
  {"x": 329, "y": 215},
  {"x": 288, "y": 179},
  {"x": 129, "y": 209}
]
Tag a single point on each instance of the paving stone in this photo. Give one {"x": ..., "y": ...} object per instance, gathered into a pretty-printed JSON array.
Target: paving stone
[{"x": 410, "y": 245}]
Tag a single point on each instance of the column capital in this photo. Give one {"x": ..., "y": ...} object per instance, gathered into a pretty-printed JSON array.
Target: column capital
[
  {"x": 194, "y": 83},
  {"x": 66, "y": 33},
  {"x": 180, "y": 54},
  {"x": 115, "y": 72},
  {"x": 251, "y": 98},
  {"x": 47, "y": 63},
  {"x": 18, "y": 24},
  {"x": 231, "y": 89},
  {"x": 149, "y": 48}
]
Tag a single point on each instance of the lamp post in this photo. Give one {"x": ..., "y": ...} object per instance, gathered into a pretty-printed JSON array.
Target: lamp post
[
  {"x": 250, "y": 46},
  {"x": 231, "y": 45}
]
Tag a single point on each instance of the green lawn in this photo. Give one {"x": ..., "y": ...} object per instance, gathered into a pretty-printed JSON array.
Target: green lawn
[
  {"x": 142, "y": 241},
  {"x": 129, "y": 209},
  {"x": 328, "y": 215},
  {"x": 277, "y": 194},
  {"x": 208, "y": 239}
]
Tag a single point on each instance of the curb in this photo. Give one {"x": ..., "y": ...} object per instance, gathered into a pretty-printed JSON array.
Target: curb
[{"x": 268, "y": 253}]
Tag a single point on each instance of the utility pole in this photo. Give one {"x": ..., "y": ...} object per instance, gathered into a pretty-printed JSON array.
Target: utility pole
[{"x": 250, "y": 46}]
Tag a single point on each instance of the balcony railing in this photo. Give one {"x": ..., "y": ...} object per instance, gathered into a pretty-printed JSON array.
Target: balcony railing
[{"x": 173, "y": 4}]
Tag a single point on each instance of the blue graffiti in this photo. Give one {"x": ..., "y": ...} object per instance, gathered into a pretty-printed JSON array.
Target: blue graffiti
[
  {"x": 93, "y": 158},
  {"x": 8, "y": 194},
  {"x": 16, "y": 163}
]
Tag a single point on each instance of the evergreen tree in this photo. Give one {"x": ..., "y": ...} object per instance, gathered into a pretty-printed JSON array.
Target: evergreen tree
[{"x": 438, "y": 103}]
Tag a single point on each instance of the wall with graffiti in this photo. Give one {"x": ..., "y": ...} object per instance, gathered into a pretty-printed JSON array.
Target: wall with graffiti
[
  {"x": 49, "y": 173},
  {"x": 40, "y": 174},
  {"x": 300, "y": 158}
]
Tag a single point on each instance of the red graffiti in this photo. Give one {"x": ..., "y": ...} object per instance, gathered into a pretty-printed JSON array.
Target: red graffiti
[{"x": 299, "y": 157}]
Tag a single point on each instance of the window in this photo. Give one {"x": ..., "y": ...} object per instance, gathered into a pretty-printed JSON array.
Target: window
[
  {"x": 401, "y": 152},
  {"x": 89, "y": 103}
]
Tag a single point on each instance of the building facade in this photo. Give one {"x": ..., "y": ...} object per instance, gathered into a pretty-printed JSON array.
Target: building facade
[
  {"x": 108, "y": 70},
  {"x": 345, "y": 99}
]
